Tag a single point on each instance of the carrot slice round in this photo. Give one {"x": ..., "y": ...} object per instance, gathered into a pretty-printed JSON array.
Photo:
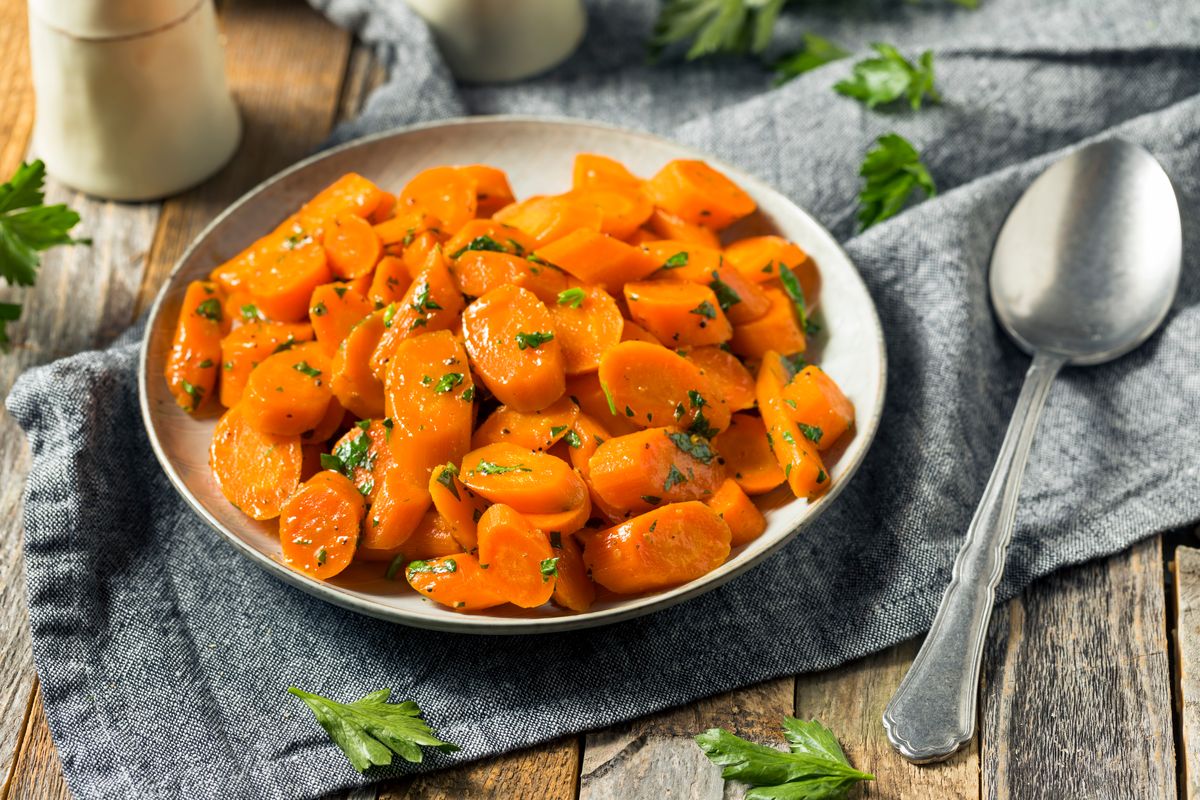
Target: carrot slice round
[
  {"x": 352, "y": 381},
  {"x": 447, "y": 193},
  {"x": 732, "y": 380},
  {"x": 283, "y": 283},
  {"x": 396, "y": 510},
  {"x": 351, "y": 246},
  {"x": 431, "y": 303},
  {"x": 520, "y": 563},
  {"x": 643, "y": 470},
  {"x": 587, "y": 322},
  {"x": 492, "y": 191},
  {"x": 666, "y": 225},
  {"x": 389, "y": 282},
  {"x": 458, "y": 506},
  {"x": 289, "y": 392},
  {"x": 256, "y": 472},
  {"x": 622, "y": 209},
  {"x": 699, "y": 194},
  {"x": 587, "y": 393},
  {"x": 796, "y": 454},
  {"x": 748, "y": 456},
  {"x": 679, "y": 313},
  {"x": 547, "y": 219},
  {"x": 319, "y": 525},
  {"x": 334, "y": 310},
  {"x": 528, "y": 481},
  {"x": 249, "y": 345},
  {"x": 597, "y": 258},
  {"x": 817, "y": 404},
  {"x": 433, "y": 538},
  {"x": 746, "y": 523},
  {"x": 364, "y": 455},
  {"x": 456, "y": 581},
  {"x": 778, "y": 330},
  {"x": 535, "y": 430},
  {"x": 651, "y": 385},
  {"x": 194, "y": 360},
  {"x": 592, "y": 169},
  {"x": 477, "y": 272}
]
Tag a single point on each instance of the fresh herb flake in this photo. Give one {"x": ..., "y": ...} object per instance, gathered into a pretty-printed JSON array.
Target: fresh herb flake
[
  {"x": 706, "y": 310},
  {"x": 549, "y": 568},
  {"x": 695, "y": 446},
  {"x": 811, "y": 432},
  {"x": 532, "y": 340},
  {"x": 674, "y": 478},
  {"x": 490, "y": 468},
  {"x": 571, "y": 297},
  {"x": 447, "y": 382},
  {"x": 308, "y": 370},
  {"x": 890, "y": 76},
  {"x": 892, "y": 172}
]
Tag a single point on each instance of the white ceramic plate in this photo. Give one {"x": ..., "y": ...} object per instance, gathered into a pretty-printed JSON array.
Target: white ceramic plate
[{"x": 537, "y": 154}]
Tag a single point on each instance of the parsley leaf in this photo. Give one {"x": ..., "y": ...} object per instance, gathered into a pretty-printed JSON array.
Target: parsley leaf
[
  {"x": 350, "y": 455},
  {"x": 893, "y": 171},
  {"x": 490, "y": 468},
  {"x": 573, "y": 440},
  {"x": 446, "y": 565},
  {"x": 210, "y": 309},
  {"x": 811, "y": 432},
  {"x": 676, "y": 261},
  {"x": 715, "y": 26},
  {"x": 571, "y": 297},
  {"x": 882, "y": 80},
  {"x": 370, "y": 730},
  {"x": 674, "y": 478},
  {"x": 446, "y": 478},
  {"x": 549, "y": 568},
  {"x": 695, "y": 446},
  {"x": 791, "y": 285},
  {"x": 726, "y": 296},
  {"x": 308, "y": 370},
  {"x": 818, "y": 51},
  {"x": 534, "y": 340},
  {"x": 482, "y": 243},
  {"x": 447, "y": 382}
]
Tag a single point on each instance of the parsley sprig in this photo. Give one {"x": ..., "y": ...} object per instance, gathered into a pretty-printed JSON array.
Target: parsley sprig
[
  {"x": 890, "y": 76},
  {"x": 715, "y": 26},
  {"x": 893, "y": 171}
]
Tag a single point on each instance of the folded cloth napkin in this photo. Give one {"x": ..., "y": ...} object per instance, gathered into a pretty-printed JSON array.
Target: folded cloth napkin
[{"x": 164, "y": 654}]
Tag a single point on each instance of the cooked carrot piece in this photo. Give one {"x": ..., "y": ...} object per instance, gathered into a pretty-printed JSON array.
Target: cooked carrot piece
[
  {"x": 740, "y": 298},
  {"x": 592, "y": 169},
  {"x": 282, "y": 284},
  {"x": 430, "y": 397},
  {"x": 320, "y": 434},
  {"x": 488, "y": 235},
  {"x": 447, "y": 193},
  {"x": 622, "y": 210},
  {"x": 573, "y": 589},
  {"x": 232, "y": 275},
  {"x": 533, "y": 430},
  {"x": 778, "y": 329},
  {"x": 679, "y": 313},
  {"x": 588, "y": 435},
  {"x": 699, "y": 194},
  {"x": 364, "y": 455},
  {"x": 682, "y": 260},
  {"x": 598, "y": 258},
  {"x": 665, "y": 547},
  {"x": 668, "y": 226},
  {"x": 759, "y": 258},
  {"x": 459, "y": 507},
  {"x": 396, "y": 510},
  {"x": 351, "y": 379},
  {"x": 334, "y": 310},
  {"x": 431, "y": 303},
  {"x": 250, "y": 344},
  {"x": 455, "y": 581},
  {"x": 320, "y": 524},
  {"x": 288, "y": 393},
  {"x": 587, "y": 322},
  {"x": 748, "y": 456},
  {"x": 389, "y": 282},
  {"x": 562, "y": 522},
  {"x": 403, "y": 228},
  {"x": 351, "y": 246},
  {"x": 746, "y": 523},
  {"x": 547, "y": 219},
  {"x": 796, "y": 454},
  {"x": 384, "y": 210},
  {"x": 652, "y": 385},
  {"x": 732, "y": 380},
  {"x": 416, "y": 254},
  {"x": 257, "y": 472},
  {"x": 519, "y": 561},
  {"x": 816, "y": 403},
  {"x": 492, "y": 191},
  {"x": 642, "y": 470},
  {"x": 477, "y": 272},
  {"x": 528, "y": 481},
  {"x": 642, "y": 236},
  {"x": 351, "y": 193},
  {"x": 510, "y": 336},
  {"x": 587, "y": 393},
  {"x": 238, "y": 309},
  {"x": 432, "y": 539},
  {"x": 632, "y": 332},
  {"x": 195, "y": 357}
]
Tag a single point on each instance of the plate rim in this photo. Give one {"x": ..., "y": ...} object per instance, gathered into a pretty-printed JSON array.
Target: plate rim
[{"x": 482, "y": 625}]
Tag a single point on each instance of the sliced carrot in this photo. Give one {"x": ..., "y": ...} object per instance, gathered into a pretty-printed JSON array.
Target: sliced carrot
[
  {"x": 431, "y": 303},
  {"x": 416, "y": 254},
  {"x": 195, "y": 357},
  {"x": 746, "y": 523},
  {"x": 389, "y": 282},
  {"x": 288, "y": 393},
  {"x": 642, "y": 470},
  {"x": 351, "y": 193},
  {"x": 239, "y": 309},
  {"x": 282, "y": 284},
  {"x": 740, "y": 298},
  {"x": 406, "y": 226},
  {"x": 699, "y": 194},
  {"x": 510, "y": 336},
  {"x": 820, "y": 408},
  {"x": 533, "y": 430},
  {"x": 319, "y": 525},
  {"x": 642, "y": 236},
  {"x": 351, "y": 379},
  {"x": 679, "y": 313},
  {"x": 562, "y": 522},
  {"x": 455, "y": 581},
  {"x": 351, "y": 246},
  {"x": 257, "y": 472},
  {"x": 587, "y": 393},
  {"x": 778, "y": 329},
  {"x": 682, "y": 260},
  {"x": 432, "y": 539},
  {"x": 334, "y": 310},
  {"x": 592, "y": 169},
  {"x": 528, "y": 481},
  {"x": 588, "y": 435},
  {"x": 547, "y": 219},
  {"x": 447, "y": 193},
  {"x": 666, "y": 225},
  {"x": 320, "y": 434},
  {"x": 395, "y": 512},
  {"x": 796, "y": 454},
  {"x": 364, "y": 455},
  {"x": 665, "y": 547},
  {"x": 573, "y": 589},
  {"x": 488, "y": 235},
  {"x": 622, "y": 209},
  {"x": 732, "y": 380},
  {"x": 519, "y": 561},
  {"x": 748, "y": 456},
  {"x": 492, "y": 191},
  {"x": 652, "y": 385},
  {"x": 250, "y": 344},
  {"x": 477, "y": 272},
  {"x": 597, "y": 258},
  {"x": 587, "y": 322},
  {"x": 383, "y": 211},
  {"x": 759, "y": 258},
  {"x": 459, "y": 507}
]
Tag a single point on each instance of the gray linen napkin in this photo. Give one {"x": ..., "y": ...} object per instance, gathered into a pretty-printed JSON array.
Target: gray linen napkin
[{"x": 164, "y": 655}]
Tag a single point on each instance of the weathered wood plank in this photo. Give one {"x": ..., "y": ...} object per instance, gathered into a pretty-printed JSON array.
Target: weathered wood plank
[
  {"x": 547, "y": 772},
  {"x": 16, "y": 86},
  {"x": 1187, "y": 668},
  {"x": 37, "y": 775},
  {"x": 1076, "y": 695},
  {"x": 850, "y": 700}
]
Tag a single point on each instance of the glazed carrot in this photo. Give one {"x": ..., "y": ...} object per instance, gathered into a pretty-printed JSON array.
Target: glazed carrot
[
  {"x": 429, "y": 397},
  {"x": 351, "y": 193},
  {"x": 587, "y": 393},
  {"x": 746, "y": 523},
  {"x": 403, "y": 228},
  {"x": 682, "y": 260},
  {"x": 642, "y": 236},
  {"x": 389, "y": 282},
  {"x": 748, "y": 456},
  {"x": 592, "y": 169},
  {"x": 459, "y": 507},
  {"x": 668, "y": 226},
  {"x": 320, "y": 433},
  {"x": 733, "y": 382},
  {"x": 588, "y": 435},
  {"x": 396, "y": 510},
  {"x": 195, "y": 357},
  {"x": 351, "y": 379},
  {"x": 257, "y": 472},
  {"x": 488, "y": 235},
  {"x": 364, "y": 455},
  {"x": 431, "y": 303},
  {"x": 520, "y": 563},
  {"x": 698, "y": 194},
  {"x": 547, "y": 219},
  {"x": 417, "y": 253},
  {"x": 597, "y": 258},
  {"x": 282, "y": 284},
  {"x": 562, "y": 522},
  {"x": 432, "y": 539},
  {"x": 652, "y": 385},
  {"x": 238, "y": 309},
  {"x": 796, "y": 454},
  {"x": 573, "y": 589},
  {"x": 334, "y": 310},
  {"x": 351, "y": 246},
  {"x": 511, "y": 339},
  {"x": 492, "y": 191},
  {"x": 642, "y": 470},
  {"x": 778, "y": 329},
  {"x": 383, "y": 211},
  {"x": 622, "y": 209},
  {"x": 528, "y": 481},
  {"x": 250, "y": 344},
  {"x": 679, "y": 313},
  {"x": 477, "y": 272},
  {"x": 319, "y": 525},
  {"x": 665, "y": 547},
  {"x": 760, "y": 257},
  {"x": 455, "y": 581},
  {"x": 445, "y": 192},
  {"x": 288, "y": 393},
  {"x": 587, "y": 322},
  {"x": 632, "y": 332},
  {"x": 816, "y": 403},
  {"x": 533, "y": 430},
  {"x": 740, "y": 298}
]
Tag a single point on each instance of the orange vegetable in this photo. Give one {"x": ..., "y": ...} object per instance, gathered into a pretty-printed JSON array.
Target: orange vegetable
[
  {"x": 680, "y": 260},
  {"x": 477, "y": 272},
  {"x": 622, "y": 209},
  {"x": 592, "y": 169},
  {"x": 310, "y": 460},
  {"x": 364, "y": 455},
  {"x": 748, "y": 456},
  {"x": 589, "y": 435},
  {"x": 547, "y": 219},
  {"x": 759, "y": 259},
  {"x": 335, "y": 415},
  {"x": 652, "y": 385},
  {"x": 432, "y": 303},
  {"x": 458, "y": 506},
  {"x": 797, "y": 455},
  {"x": 511, "y": 339},
  {"x": 231, "y": 275},
  {"x": 389, "y": 282},
  {"x": 334, "y": 311},
  {"x": 319, "y": 525},
  {"x": 282, "y": 284},
  {"x": 492, "y": 191},
  {"x": 642, "y": 470},
  {"x": 678, "y": 313},
  {"x": 746, "y": 523},
  {"x": 482, "y": 234},
  {"x": 383, "y": 211},
  {"x": 598, "y": 258},
  {"x": 351, "y": 380},
  {"x": 288, "y": 393},
  {"x": 447, "y": 193},
  {"x": 257, "y": 472},
  {"x": 698, "y": 194},
  {"x": 520, "y": 563},
  {"x": 731, "y": 379},
  {"x": 396, "y": 510},
  {"x": 587, "y": 322},
  {"x": 663, "y": 548},
  {"x": 533, "y": 430},
  {"x": 815, "y": 402},
  {"x": 632, "y": 332},
  {"x": 416, "y": 255},
  {"x": 432, "y": 539},
  {"x": 195, "y": 357},
  {"x": 642, "y": 236},
  {"x": 403, "y": 229},
  {"x": 351, "y": 246},
  {"x": 668, "y": 226},
  {"x": 586, "y": 392},
  {"x": 351, "y": 193},
  {"x": 778, "y": 329},
  {"x": 528, "y": 481},
  {"x": 250, "y": 344},
  {"x": 456, "y": 581},
  {"x": 573, "y": 589},
  {"x": 562, "y": 522}
]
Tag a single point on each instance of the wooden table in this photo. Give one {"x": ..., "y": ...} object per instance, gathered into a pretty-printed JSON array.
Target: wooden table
[{"x": 1082, "y": 695}]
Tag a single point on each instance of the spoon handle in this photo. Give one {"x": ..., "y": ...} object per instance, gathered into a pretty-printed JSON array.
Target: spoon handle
[{"x": 932, "y": 714}]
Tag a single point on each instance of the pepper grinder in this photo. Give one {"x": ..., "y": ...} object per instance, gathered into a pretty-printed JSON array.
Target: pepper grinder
[{"x": 132, "y": 100}]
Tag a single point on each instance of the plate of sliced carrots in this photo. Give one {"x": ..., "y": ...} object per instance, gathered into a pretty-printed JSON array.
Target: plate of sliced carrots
[{"x": 511, "y": 375}]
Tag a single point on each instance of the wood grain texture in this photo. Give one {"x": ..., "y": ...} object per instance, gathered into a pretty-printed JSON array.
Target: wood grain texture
[
  {"x": 16, "y": 86},
  {"x": 850, "y": 700},
  {"x": 547, "y": 772},
  {"x": 1076, "y": 688},
  {"x": 1186, "y": 624},
  {"x": 38, "y": 775}
]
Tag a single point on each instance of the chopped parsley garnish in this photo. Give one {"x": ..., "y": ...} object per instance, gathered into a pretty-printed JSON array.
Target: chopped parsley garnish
[
  {"x": 210, "y": 309},
  {"x": 446, "y": 478},
  {"x": 674, "y": 478},
  {"x": 726, "y": 296},
  {"x": 426, "y": 380},
  {"x": 192, "y": 391},
  {"x": 700, "y": 426},
  {"x": 573, "y": 440},
  {"x": 490, "y": 468},
  {"x": 890, "y": 76},
  {"x": 652, "y": 499},
  {"x": 695, "y": 398},
  {"x": 549, "y": 568},
  {"x": 481, "y": 243},
  {"x": 319, "y": 310},
  {"x": 791, "y": 285},
  {"x": 468, "y": 394},
  {"x": 821, "y": 476},
  {"x": 556, "y": 539},
  {"x": 447, "y": 382},
  {"x": 394, "y": 567},
  {"x": 695, "y": 446},
  {"x": 612, "y": 406},
  {"x": 250, "y": 312},
  {"x": 787, "y": 437},
  {"x": 811, "y": 432},
  {"x": 892, "y": 172},
  {"x": 442, "y": 567},
  {"x": 340, "y": 291},
  {"x": 322, "y": 556},
  {"x": 679, "y": 412},
  {"x": 676, "y": 261},
  {"x": 555, "y": 430},
  {"x": 304, "y": 367},
  {"x": 389, "y": 315},
  {"x": 571, "y": 297},
  {"x": 205, "y": 364},
  {"x": 706, "y": 310},
  {"x": 533, "y": 340},
  {"x": 349, "y": 455}
]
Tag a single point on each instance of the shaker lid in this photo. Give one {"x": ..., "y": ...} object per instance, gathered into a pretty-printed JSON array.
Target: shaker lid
[{"x": 105, "y": 19}]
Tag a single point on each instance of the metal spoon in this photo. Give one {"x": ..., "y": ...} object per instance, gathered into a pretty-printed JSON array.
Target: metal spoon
[{"x": 1084, "y": 270}]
